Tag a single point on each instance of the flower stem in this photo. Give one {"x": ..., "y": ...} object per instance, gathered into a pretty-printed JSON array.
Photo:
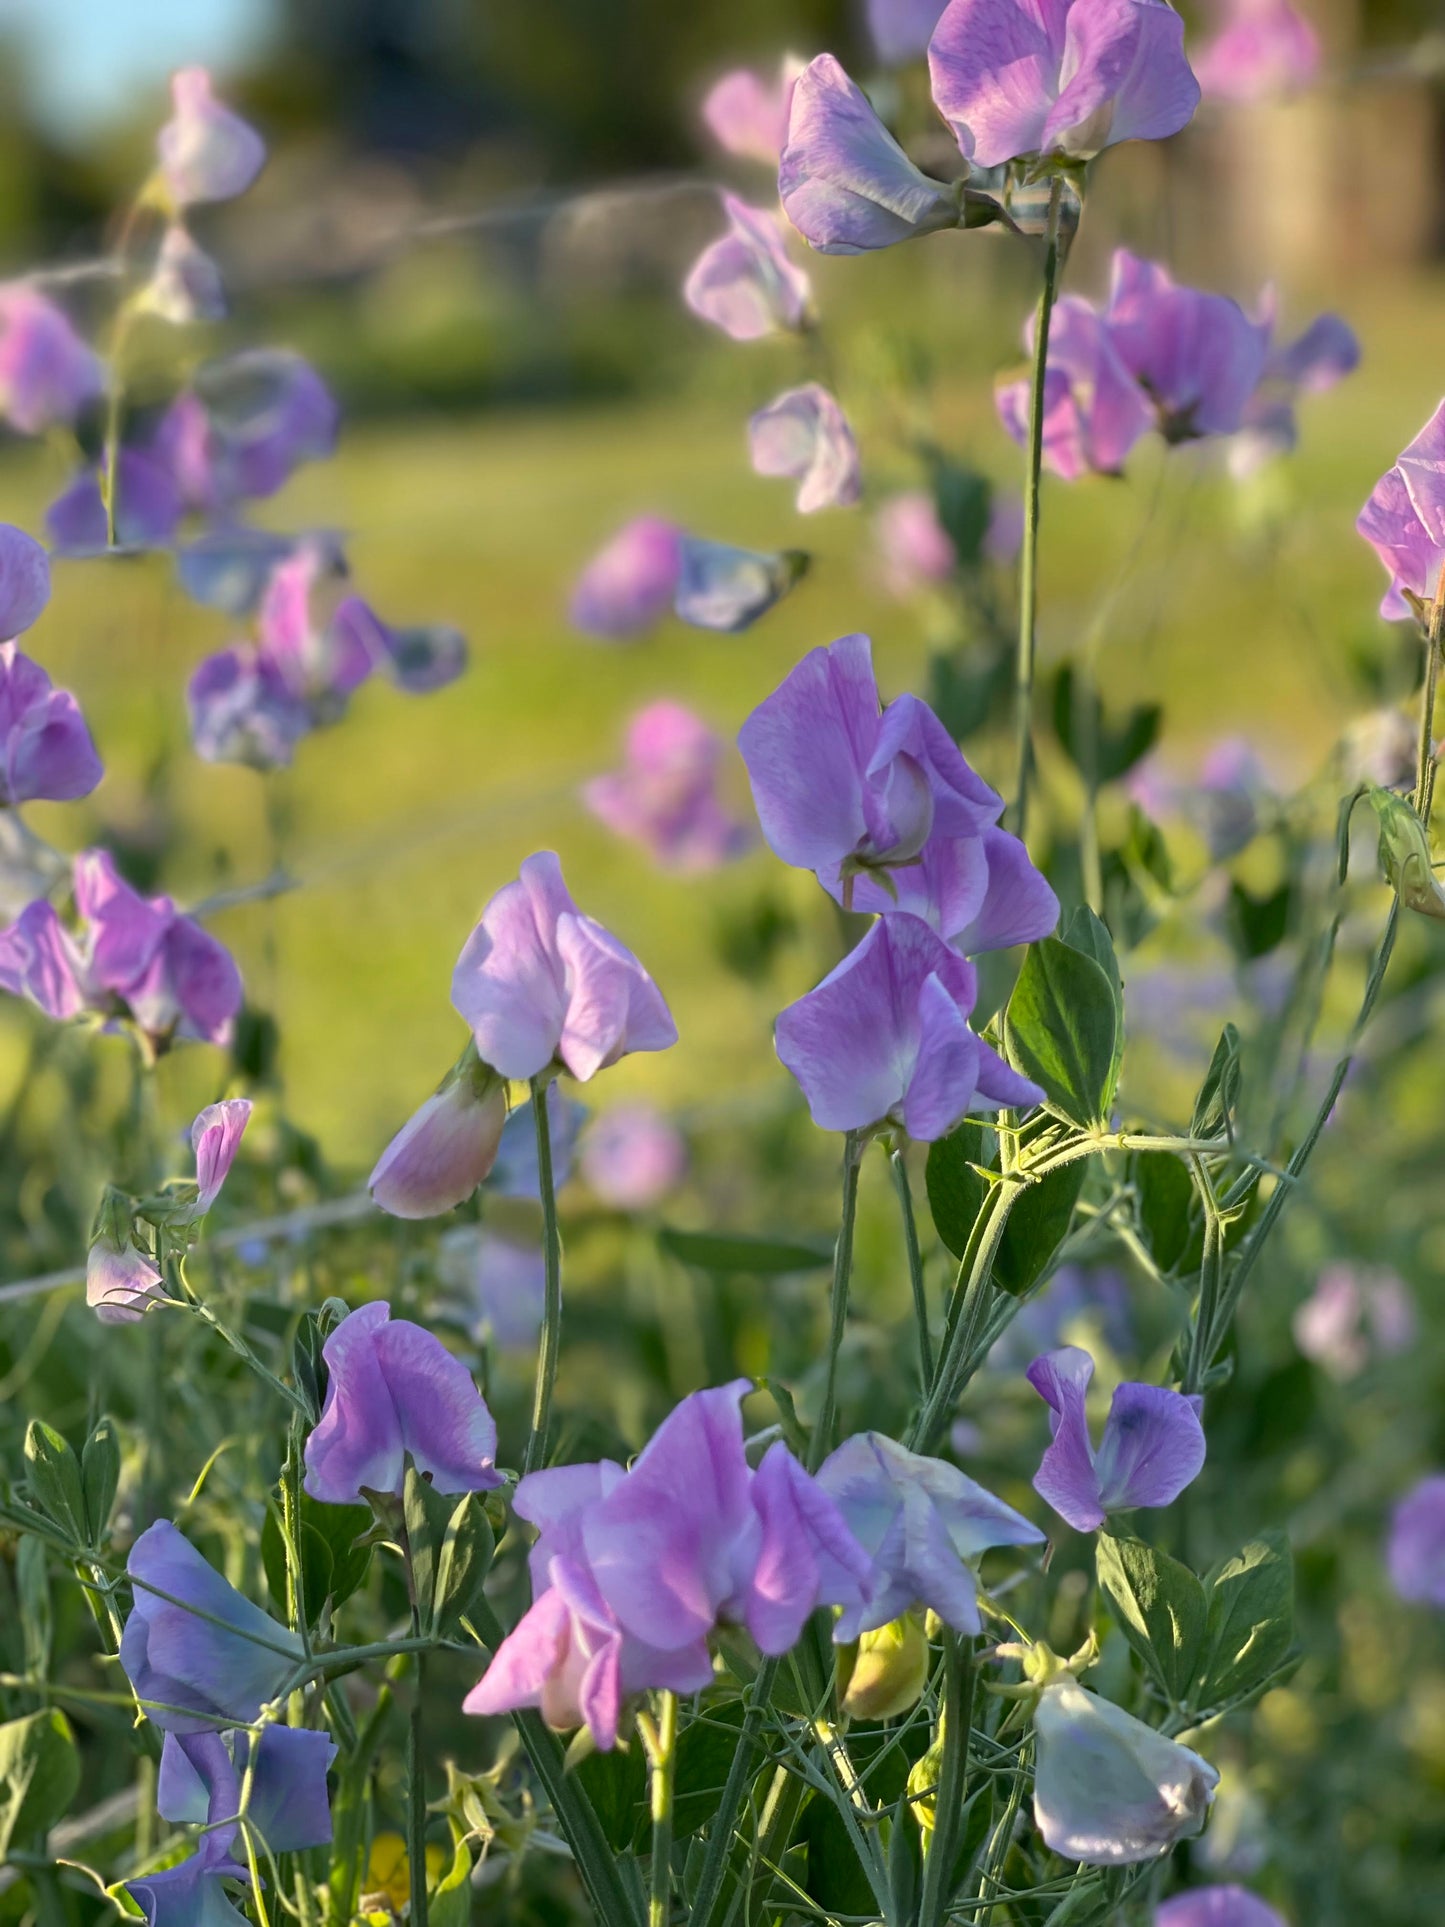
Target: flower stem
[
  {"x": 958, "y": 1676},
  {"x": 1028, "y": 579},
  {"x": 915, "y": 1262},
  {"x": 822, "y": 1438},
  {"x": 706, "y": 1900},
  {"x": 1425, "y": 774},
  {"x": 552, "y": 1299},
  {"x": 416, "y": 1805},
  {"x": 660, "y": 1739}
]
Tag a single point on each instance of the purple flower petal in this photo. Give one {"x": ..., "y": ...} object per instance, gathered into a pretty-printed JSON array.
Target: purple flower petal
[
  {"x": 748, "y": 114},
  {"x": 45, "y": 748},
  {"x": 902, "y": 29},
  {"x": 207, "y": 153},
  {"x": 666, "y": 796},
  {"x": 121, "y": 1283},
  {"x": 1019, "y": 904},
  {"x": 628, "y": 587},
  {"x": 1124, "y": 77},
  {"x": 806, "y": 1557},
  {"x": 47, "y": 373},
  {"x": 632, "y": 1157},
  {"x": 1066, "y": 1477},
  {"x": 1199, "y": 355},
  {"x": 744, "y": 283},
  {"x": 185, "y": 284},
  {"x": 1152, "y": 1447},
  {"x": 39, "y": 960},
  {"x": 215, "y": 1138},
  {"x": 147, "y": 509},
  {"x": 1416, "y": 1554},
  {"x": 444, "y": 1151},
  {"x": 24, "y": 581},
  {"x": 1217, "y": 1907},
  {"x": 804, "y": 435}
]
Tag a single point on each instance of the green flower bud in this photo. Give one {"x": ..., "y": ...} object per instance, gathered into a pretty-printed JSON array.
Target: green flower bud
[
  {"x": 1405, "y": 854},
  {"x": 889, "y": 1668}
]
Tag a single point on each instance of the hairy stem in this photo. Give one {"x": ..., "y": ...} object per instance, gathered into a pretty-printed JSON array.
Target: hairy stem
[
  {"x": 552, "y": 1299},
  {"x": 958, "y": 1677},
  {"x": 416, "y": 1805}
]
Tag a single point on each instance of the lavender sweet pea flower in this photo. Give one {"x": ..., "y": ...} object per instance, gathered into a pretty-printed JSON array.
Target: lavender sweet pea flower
[
  {"x": 845, "y": 183},
  {"x": 215, "y": 1138},
  {"x": 324, "y": 647},
  {"x": 665, "y": 797},
  {"x": 727, "y": 589},
  {"x": 202, "y": 1775},
  {"x": 1152, "y": 1447},
  {"x": 805, "y": 436},
  {"x": 192, "y": 1894},
  {"x": 1353, "y": 1312},
  {"x": 920, "y": 1521},
  {"x": 244, "y": 426},
  {"x": 902, "y": 29},
  {"x": 981, "y": 892},
  {"x": 121, "y": 1282},
  {"x": 173, "y": 976},
  {"x": 1094, "y": 409},
  {"x": 1198, "y": 356},
  {"x": 216, "y": 1671},
  {"x": 884, "y": 1039},
  {"x": 396, "y": 1390},
  {"x": 748, "y": 114},
  {"x": 541, "y": 985},
  {"x": 515, "y": 1175},
  {"x": 40, "y": 960},
  {"x": 1217, "y": 1907},
  {"x": 628, "y": 586},
  {"x": 632, "y": 1157},
  {"x": 1311, "y": 364},
  {"x": 1416, "y": 1556},
  {"x": 24, "y": 581},
  {"x": 444, "y": 1151},
  {"x": 744, "y": 283},
  {"x": 207, "y": 152},
  {"x": 1068, "y": 77},
  {"x": 185, "y": 284},
  {"x": 47, "y": 373},
  {"x": 1108, "y": 1790},
  {"x": 1263, "y": 47},
  {"x": 147, "y": 509},
  {"x": 496, "y": 1285},
  {"x": 243, "y": 710},
  {"x": 915, "y": 548},
  {"x": 1404, "y": 521},
  {"x": 45, "y": 748}
]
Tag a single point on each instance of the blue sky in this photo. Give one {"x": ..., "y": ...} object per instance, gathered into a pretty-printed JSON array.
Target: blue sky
[{"x": 83, "y": 60}]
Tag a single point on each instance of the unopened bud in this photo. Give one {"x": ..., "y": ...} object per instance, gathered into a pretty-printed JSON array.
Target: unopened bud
[
  {"x": 1405, "y": 854},
  {"x": 440, "y": 1155},
  {"x": 890, "y": 1666}
]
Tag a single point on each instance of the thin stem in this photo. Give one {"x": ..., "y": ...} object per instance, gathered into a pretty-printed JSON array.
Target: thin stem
[
  {"x": 416, "y": 1805},
  {"x": 1425, "y": 772},
  {"x": 915, "y": 1261},
  {"x": 958, "y": 1677},
  {"x": 660, "y": 1739},
  {"x": 705, "y": 1907},
  {"x": 552, "y": 1296},
  {"x": 1028, "y": 580},
  {"x": 975, "y": 1276},
  {"x": 822, "y": 1440}
]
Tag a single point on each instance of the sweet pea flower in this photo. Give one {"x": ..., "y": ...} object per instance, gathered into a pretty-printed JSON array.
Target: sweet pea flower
[
  {"x": 543, "y": 986},
  {"x": 444, "y": 1151},
  {"x": 1108, "y": 1790},
  {"x": 1352, "y": 1312},
  {"x": 207, "y": 153},
  {"x": 1198, "y": 356},
  {"x": 515, "y": 1174},
  {"x": 805, "y": 436},
  {"x": 628, "y": 586},
  {"x": 497, "y": 1285},
  {"x": 1094, "y": 409},
  {"x": 1404, "y": 521},
  {"x": 244, "y": 426},
  {"x": 748, "y": 114},
  {"x": 243, "y": 710},
  {"x": 1152, "y": 1447},
  {"x": 215, "y": 1138},
  {"x": 47, "y": 373},
  {"x": 1312, "y": 363},
  {"x": 845, "y": 183},
  {"x": 902, "y": 29},
  {"x": 665, "y": 796},
  {"x": 632, "y": 1157},
  {"x": 1059, "y": 77},
  {"x": 727, "y": 589},
  {"x": 40, "y": 960},
  {"x": 121, "y": 1282},
  {"x": 1217, "y": 1907},
  {"x": 395, "y": 1390},
  {"x": 744, "y": 283},
  {"x": 915, "y": 548},
  {"x": 201, "y": 1673},
  {"x": 980, "y": 892},
  {"x": 147, "y": 509},
  {"x": 185, "y": 284},
  {"x": 1263, "y": 47},
  {"x": 172, "y": 977},
  {"x": 1416, "y": 1554},
  {"x": 45, "y": 748},
  {"x": 24, "y": 581},
  {"x": 885, "y": 1040},
  {"x": 920, "y": 1521}
]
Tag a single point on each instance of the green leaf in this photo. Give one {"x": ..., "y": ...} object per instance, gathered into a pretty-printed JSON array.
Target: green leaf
[
  {"x": 1169, "y": 1224},
  {"x": 1039, "y": 1215},
  {"x": 956, "y": 1190},
  {"x": 705, "y": 1751},
  {"x": 100, "y": 1477},
  {"x": 450, "y": 1904},
  {"x": 1218, "y": 1097},
  {"x": 723, "y": 1254},
  {"x": 1061, "y": 1030},
  {"x": 333, "y": 1564},
  {"x": 53, "y": 1475},
  {"x": 451, "y": 1543},
  {"x": 39, "y": 1776},
  {"x": 1160, "y": 1606},
  {"x": 1084, "y": 931},
  {"x": 1251, "y": 1619},
  {"x": 616, "y": 1784},
  {"x": 32, "y": 1587},
  {"x": 1258, "y": 924},
  {"x": 1094, "y": 745}
]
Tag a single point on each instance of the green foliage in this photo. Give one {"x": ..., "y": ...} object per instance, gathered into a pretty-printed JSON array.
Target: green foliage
[
  {"x": 1160, "y": 1606},
  {"x": 725, "y": 1254},
  {"x": 39, "y": 1777},
  {"x": 1251, "y": 1620},
  {"x": 1039, "y": 1215},
  {"x": 53, "y": 1474},
  {"x": 450, "y": 1543},
  {"x": 334, "y": 1559},
  {"x": 1062, "y": 1030},
  {"x": 1101, "y": 750}
]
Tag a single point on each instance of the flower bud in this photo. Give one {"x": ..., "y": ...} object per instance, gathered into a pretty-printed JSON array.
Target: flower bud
[
  {"x": 1405, "y": 854},
  {"x": 121, "y": 1281},
  {"x": 439, "y": 1156},
  {"x": 890, "y": 1666}
]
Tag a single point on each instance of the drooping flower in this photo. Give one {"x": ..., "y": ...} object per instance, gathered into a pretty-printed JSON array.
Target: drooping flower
[
  {"x": 24, "y": 581},
  {"x": 147, "y": 508},
  {"x": 805, "y": 436},
  {"x": 47, "y": 373},
  {"x": 243, "y": 427},
  {"x": 395, "y": 1390},
  {"x": 1108, "y": 1790},
  {"x": 496, "y": 1284},
  {"x": 1094, "y": 409},
  {"x": 207, "y": 152},
  {"x": 243, "y": 710},
  {"x": 628, "y": 586},
  {"x": 121, "y": 1282},
  {"x": 902, "y": 29},
  {"x": 916, "y": 549},
  {"x": 747, "y": 113},
  {"x": 665, "y": 797},
  {"x": 1416, "y": 1555},
  {"x": 444, "y": 1151},
  {"x": 1059, "y": 77},
  {"x": 192, "y": 1894},
  {"x": 40, "y": 960},
  {"x": 542, "y": 985},
  {"x": 632, "y": 1156},
  {"x": 744, "y": 283},
  {"x": 727, "y": 589},
  {"x": 921, "y": 1521},
  {"x": 845, "y": 183},
  {"x": 980, "y": 892},
  {"x": 1152, "y": 1445},
  {"x": 1263, "y": 48},
  {"x": 1354, "y": 1312},
  {"x": 885, "y": 1039},
  {"x": 185, "y": 284},
  {"x": 193, "y": 1672},
  {"x": 1217, "y": 1907},
  {"x": 1198, "y": 356},
  {"x": 45, "y": 748},
  {"x": 1404, "y": 521}
]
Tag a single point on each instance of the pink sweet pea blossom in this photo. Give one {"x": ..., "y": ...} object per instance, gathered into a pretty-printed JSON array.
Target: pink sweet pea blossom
[
  {"x": 544, "y": 987},
  {"x": 1094, "y": 409},
  {"x": 442, "y": 1153},
  {"x": 47, "y": 373},
  {"x": 631, "y": 1157},
  {"x": 628, "y": 586},
  {"x": 804, "y": 435},
  {"x": 1067, "y": 77},
  {"x": 1198, "y": 356},
  {"x": 45, "y": 748},
  {"x": 665, "y": 796},
  {"x": 215, "y": 1138},
  {"x": 915, "y": 547},
  {"x": 744, "y": 283},
  {"x": 1404, "y": 521},
  {"x": 748, "y": 114},
  {"x": 1263, "y": 47},
  {"x": 121, "y": 1283},
  {"x": 207, "y": 152}
]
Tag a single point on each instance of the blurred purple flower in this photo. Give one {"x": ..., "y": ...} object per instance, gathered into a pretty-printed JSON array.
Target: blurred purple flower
[
  {"x": 1416, "y": 1554},
  {"x": 804, "y": 435},
  {"x": 902, "y": 29},
  {"x": 1152, "y": 1447},
  {"x": 845, "y": 183},
  {"x": 46, "y": 750},
  {"x": 1312, "y": 363},
  {"x": 665, "y": 796},
  {"x": 147, "y": 509},
  {"x": 219, "y": 1670},
  {"x": 1019, "y": 77},
  {"x": 40, "y": 960},
  {"x": 121, "y": 1282},
  {"x": 543, "y": 986},
  {"x": 395, "y": 1390},
  {"x": 1263, "y": 47},
  {"x": 324, "y": 644},
  {"x": 24, "y": 581},
  {"x": 242, "y": 428},
  {"x": 632, "y": 1156},
  {"x": 1072, "y": 1296},
  {"x": 242, "y": 710},
  {"x": 920, "y": 1521},
  {"x": 1198, "y": 356},
  {"x": 1217, "y": 1907},
  {"x": 744, "y": 283},
  {"x": 884, "y": 1039},
  {"x": 1404, "y": 520},
  {"x": 628, "y": 586},
  {"x": 207, "y": 152},
  {"x": 1094, "y": 410},
  {"x": 1108, "y": 1790},
  {"x": 47, "y": 373},
  {"x": 443, "y": 1151},
  {"x": 981, "y": 892},
  {"x": 514, "y": 1175},
  {"x": 748, "y": 114},
  {"x": 496, "y": 1284},
  {"x": 172, "y": 976},
  {"x": 915, "y": 547},
  {"x": 1232, "y": 784},
  {"x": 185, "y": 284},
  {"x": 215, "y": 1138},
  {"x": 727, "y": 589},
  {"x": 420, "y": 659}
]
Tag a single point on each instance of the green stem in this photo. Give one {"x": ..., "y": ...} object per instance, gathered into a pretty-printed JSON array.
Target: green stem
[
  {"x": 915, "y": 1262},
  {"x": 975, "y": 1276},
  {"x": 661, "y": 1742},
  {"x": 416, "y": 1805},
  {"x": 958, "y": 1677},
  {"x": 705, "y": 1907},
  {"x": 1425, "y": 773},
  {"x": 1028, "y": 581},
  {"x": 552, "y": 1299},
  {"x": 822, "y": 1439}
]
